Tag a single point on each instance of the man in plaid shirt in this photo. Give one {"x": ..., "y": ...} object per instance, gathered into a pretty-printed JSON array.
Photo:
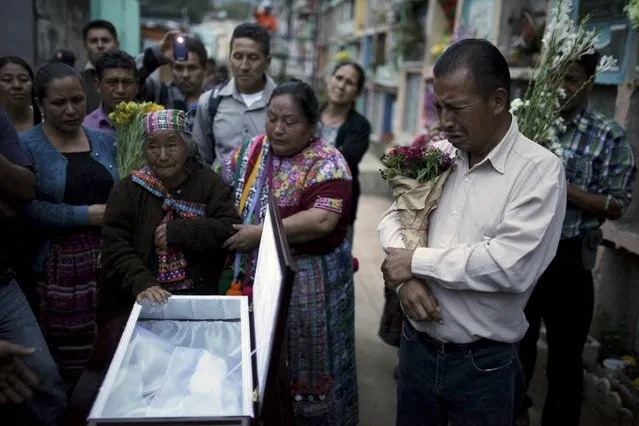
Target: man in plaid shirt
[{"x": 600, "y": 169}]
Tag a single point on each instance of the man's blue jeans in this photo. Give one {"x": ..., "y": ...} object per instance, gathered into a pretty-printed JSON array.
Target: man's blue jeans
[
  {"x": 18, "y": 325},
  {"x": 479, "y": 384}
]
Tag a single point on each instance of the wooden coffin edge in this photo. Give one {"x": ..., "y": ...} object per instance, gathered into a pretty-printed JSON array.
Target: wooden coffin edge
[{"x": 277, "y": 399}]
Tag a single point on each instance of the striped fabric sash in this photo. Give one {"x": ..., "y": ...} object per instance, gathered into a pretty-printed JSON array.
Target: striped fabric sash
[{"x": 172, "y": 264}]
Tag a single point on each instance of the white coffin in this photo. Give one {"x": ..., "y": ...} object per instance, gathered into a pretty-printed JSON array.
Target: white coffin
[{"x": 202, "y": 360}]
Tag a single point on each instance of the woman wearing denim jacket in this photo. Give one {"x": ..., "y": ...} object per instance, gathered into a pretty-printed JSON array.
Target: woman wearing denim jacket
[{"x": 75, "y": 171}]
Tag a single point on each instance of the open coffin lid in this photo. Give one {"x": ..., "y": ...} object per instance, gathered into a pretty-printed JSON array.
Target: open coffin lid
[{"x": 161, "y": 372}]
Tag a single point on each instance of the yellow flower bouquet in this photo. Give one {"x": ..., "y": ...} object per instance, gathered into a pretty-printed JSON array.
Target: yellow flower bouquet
[{"x": 127, "y": 119}]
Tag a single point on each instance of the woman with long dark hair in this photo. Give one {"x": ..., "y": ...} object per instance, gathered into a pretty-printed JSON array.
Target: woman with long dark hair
[
  {"x": 17, "y": 97},
  {"x": 75, "y": 171},
  {"x": 343, "y": 127}
]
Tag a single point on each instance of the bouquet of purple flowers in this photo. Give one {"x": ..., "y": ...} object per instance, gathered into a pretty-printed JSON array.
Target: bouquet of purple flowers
[{"x": 416, "y": 175}]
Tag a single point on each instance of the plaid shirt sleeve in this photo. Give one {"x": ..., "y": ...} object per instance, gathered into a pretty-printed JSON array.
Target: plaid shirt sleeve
[{"x": 618, "y": 169}]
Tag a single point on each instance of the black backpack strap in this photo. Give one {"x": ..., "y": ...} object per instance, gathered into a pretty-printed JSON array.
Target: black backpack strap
[{"x": 213, "y": 104}]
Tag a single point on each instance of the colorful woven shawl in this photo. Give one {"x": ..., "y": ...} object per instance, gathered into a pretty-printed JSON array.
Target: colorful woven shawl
[
  {"x": 250, "y": 178},
  {"x": 172, "y": 266}
]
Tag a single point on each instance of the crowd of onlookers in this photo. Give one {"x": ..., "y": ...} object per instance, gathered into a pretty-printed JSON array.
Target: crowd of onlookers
[
  {"x": 511, "y": 243},
  {"x": 81, "y": 242}
]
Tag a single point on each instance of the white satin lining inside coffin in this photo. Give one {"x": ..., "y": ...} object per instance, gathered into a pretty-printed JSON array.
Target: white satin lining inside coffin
[{"x": 179, "y": 368}]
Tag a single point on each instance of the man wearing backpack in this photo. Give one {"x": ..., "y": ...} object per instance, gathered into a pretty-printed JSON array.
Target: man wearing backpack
[{"x": 235, "y": 111}]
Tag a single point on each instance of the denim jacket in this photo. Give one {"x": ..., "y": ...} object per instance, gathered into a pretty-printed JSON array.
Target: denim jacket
[{"x": 50, "y": 169}]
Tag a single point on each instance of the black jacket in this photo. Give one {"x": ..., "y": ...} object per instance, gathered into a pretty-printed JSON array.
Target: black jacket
[{"x": 353, "y": 139}]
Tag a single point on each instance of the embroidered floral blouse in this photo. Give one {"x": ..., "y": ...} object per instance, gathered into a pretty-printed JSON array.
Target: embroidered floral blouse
[{"x": 316, "y": 177}]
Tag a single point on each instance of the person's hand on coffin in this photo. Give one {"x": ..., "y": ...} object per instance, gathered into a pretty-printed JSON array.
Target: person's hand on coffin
[
  {"x": 417, "y": 302},
  {"x": 160, "y": 237},
  {"x": 16, "y": 380},
  {"x": 156, "y": 295},
  {"x": 246, "y": 239},
  {"x": 397, "y": 267}
]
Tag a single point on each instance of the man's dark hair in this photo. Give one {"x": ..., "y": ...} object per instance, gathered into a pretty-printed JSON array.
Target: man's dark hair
[
  {"x": 254, "y": 32},
  {"x": 211, "y": 61},
  {"x": 99, "y": 24},
  {"x": 115, "y": 59},
  {"x": 483, "y": 61},
  {"x": 589, "y": 62},
  {"x": 194, "y": 45}
]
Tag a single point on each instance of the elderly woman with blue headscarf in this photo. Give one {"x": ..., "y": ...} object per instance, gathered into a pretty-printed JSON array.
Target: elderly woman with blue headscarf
[{"x": 165, "y": 224}]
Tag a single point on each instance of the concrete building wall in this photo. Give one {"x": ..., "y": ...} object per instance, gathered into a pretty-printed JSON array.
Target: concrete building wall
[
  {"x": 58, "y": 24},
  {"x": 17, "y": 30},
  {"x": 34, "y": 29}
]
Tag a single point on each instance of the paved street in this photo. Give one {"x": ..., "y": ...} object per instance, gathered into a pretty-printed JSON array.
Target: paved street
[{"x": 376, "y": 360}]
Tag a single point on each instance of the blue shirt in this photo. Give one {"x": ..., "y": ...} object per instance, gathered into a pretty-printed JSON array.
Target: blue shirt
[{"x": 48, "y": 210}]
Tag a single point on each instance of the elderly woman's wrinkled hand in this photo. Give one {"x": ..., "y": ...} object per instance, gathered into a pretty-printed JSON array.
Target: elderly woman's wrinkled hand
[
  {"x": 16, "y": 380},
  {"x": 246, "y": 239},
  {"x": 160, "y": 237},
  {"x": 156, "y": 295}
]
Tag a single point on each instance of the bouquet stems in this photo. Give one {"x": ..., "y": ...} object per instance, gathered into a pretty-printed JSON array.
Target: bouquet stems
[
  {"x": 130, "y": 155},
  {"x": 127, "y": 119}
]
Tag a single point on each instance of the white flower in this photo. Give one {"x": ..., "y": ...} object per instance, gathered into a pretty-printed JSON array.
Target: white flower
[
  {"x": 516, "y": 105},
  {"x": 564, "y": 42},
  {"x": 606, "y": 63}
]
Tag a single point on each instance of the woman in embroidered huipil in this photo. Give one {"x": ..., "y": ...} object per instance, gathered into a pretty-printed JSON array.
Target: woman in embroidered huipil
[
  {"x": 165, "y": 224},
  {"x": 75, "y": 171},
  {"x": 312, "y": 185}
]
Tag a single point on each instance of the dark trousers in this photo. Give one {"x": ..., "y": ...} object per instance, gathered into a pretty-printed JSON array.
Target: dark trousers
[
  {"x": 479, "y": 384},
  {"x": 564, "y": 299}
]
